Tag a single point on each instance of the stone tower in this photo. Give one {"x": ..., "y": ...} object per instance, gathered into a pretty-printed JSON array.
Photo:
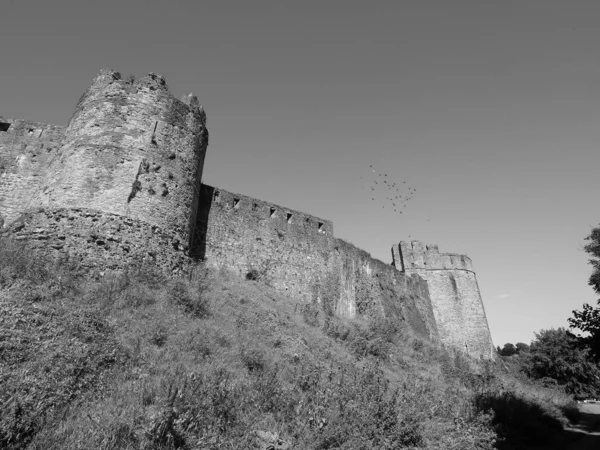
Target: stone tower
[
  {"x": 454, "y": 293},
  {"x": 119, "y": 184},
  {"x": 133, "y": 150}
]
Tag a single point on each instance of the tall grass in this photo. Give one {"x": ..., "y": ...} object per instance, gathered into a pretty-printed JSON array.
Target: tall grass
[{"x": 136, "y": 361}]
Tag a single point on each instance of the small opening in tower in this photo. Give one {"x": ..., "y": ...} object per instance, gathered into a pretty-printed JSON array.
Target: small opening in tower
[
  {"x": 321, "y": 226},
  {"x": 4, "y": 126},
  {"x": 216, "y": 195},
  {"x": 289, "y": 218},
  {"x": 236, "y": 202},
  {"x": 30, "y": 130},
  {"x": 272, "y": 213},
  {"x": 254, "y": 206}
]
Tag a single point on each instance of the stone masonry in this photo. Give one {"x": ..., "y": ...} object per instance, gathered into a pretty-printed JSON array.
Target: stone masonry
[
  {"x": 121, "y": 184},
  {"x": 454, "y": 292}
]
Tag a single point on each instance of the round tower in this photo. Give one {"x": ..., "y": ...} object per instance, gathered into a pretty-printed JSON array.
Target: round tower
[{"x": 133, "y": 150}]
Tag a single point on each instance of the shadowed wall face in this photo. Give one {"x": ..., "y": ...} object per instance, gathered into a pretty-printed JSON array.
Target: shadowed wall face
[
  {"x": 134, "y": 150},
  {"x": 26, "y": 151},
  {"x": 455, "y": 296},
  {"x": 298, "y": 254}
]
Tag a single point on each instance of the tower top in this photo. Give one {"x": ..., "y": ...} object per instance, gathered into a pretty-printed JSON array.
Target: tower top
[{"x": 415, "y": 255}]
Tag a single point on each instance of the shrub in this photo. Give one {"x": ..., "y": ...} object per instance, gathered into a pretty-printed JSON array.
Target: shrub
[{"x": 190, "y": 298}]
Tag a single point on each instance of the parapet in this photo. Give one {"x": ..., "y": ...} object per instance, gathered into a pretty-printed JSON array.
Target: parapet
[
  {"x": 259, "y": 211},
  {"x": 415, "y": 255},
  {"x": 31, "y": 130}
]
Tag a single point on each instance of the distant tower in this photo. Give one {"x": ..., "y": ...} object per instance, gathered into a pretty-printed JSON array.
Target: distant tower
[
  {"x": 455, "y": 296},
  {"x": 133, "y": 150}
]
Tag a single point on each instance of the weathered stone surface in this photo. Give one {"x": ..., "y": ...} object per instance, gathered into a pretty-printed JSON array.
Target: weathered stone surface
[
  {"x": 97, "y": 240},
  {"x": 298, "y": 254},
  {"x": 457, "y": 304},
  {"x": 26, "y": 151},
  {"x": 121, "y": 184},
  {"x": 132, "y": 149}
]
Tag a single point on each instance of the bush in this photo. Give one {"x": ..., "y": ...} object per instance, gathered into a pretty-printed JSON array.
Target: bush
[{"x": 190, "y": 298}]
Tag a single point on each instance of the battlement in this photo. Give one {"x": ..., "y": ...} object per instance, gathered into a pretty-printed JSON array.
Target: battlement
[
  {"x": 415, "y": 255},
  {"x": 269, "y": 213},
  {"x": 18, "y": 128}
]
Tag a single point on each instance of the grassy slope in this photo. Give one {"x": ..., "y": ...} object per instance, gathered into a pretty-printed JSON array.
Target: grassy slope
[{"x": 138, "y": 362}]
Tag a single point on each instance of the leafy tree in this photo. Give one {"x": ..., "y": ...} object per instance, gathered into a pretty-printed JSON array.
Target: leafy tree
[
  {"x": 588, "y": 319},
  {"x": 522, "y": 347},
  {"x": 556, "y": 355},
  {"x": 508, "y": 350},
  {"x": 593, "y": 249}
]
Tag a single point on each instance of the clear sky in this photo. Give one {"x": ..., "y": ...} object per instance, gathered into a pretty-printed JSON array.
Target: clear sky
[{"x": 489, "y": 109}]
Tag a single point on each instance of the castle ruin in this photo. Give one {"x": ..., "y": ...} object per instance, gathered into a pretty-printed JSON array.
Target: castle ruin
[{"x": 122, "y": 183}]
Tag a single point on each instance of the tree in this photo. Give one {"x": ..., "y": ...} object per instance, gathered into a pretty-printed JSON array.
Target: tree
[
  {"x": 556, "y": 354},
  {"x": 522, "y": 347},
  {"x": 588, "y": 319},
  {"x": 508, "y": 350},
  {"x": 593, "y": 249}
]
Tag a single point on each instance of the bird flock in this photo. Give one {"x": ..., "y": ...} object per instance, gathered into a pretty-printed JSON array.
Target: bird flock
[{"x": 387, "y": 193}]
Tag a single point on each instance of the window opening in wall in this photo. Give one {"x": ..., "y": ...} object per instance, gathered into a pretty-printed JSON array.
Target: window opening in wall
[
  {"x": 4, "y": 126},
  {"x": 216, "y": 195},
  {"x": 307, "y": 220},
  {"x": 254, "y": 206},
  {"x": 321, "y": 226},
  {"x": 289, "y": 218},
  {"x": 236, "y": 202},
  {"x": 30, "y": 130},
  {"x": 154, "y": 133},
  {"x": 272, "y": 214}
]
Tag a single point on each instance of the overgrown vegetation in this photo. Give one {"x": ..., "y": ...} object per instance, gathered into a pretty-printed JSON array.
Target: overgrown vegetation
[
  {"x": 212, "y": 361},
  {"x": 558, "y": 357}
]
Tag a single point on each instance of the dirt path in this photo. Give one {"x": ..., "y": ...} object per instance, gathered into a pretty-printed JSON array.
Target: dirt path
[
  {"x": 588, "y": 427},
  {"x": 583, "y": 435}
]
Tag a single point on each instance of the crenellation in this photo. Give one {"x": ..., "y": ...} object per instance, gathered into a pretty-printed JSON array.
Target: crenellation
[{"x": 121, "y": 185}]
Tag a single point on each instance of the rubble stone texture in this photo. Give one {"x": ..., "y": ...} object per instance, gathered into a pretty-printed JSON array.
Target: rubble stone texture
[
  {"x": 457, "y": 304},
  {"x": 121, "y": 185}
]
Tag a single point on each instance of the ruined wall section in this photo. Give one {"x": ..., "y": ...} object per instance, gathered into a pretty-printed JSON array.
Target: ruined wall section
[
  {"x": 298, "y": 254},
  {"x": 416, "y": 255},
  {"x": 26, "y": 151},
  {"x": 455, "y": 296},
  {"x": 98, "y": 241},
  {"x": 134, "y": 150}
]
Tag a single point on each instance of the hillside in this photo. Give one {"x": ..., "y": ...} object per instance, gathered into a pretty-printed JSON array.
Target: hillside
[{"x": 137, "y": 361}]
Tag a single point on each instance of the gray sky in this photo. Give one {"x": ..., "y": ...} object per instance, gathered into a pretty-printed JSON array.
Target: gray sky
[{"x": 490, "y": 109}]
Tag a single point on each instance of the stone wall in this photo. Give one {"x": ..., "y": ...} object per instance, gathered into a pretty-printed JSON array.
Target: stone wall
[
  {"x": 298, "y": 254},
  {"x": 457, "y": 304},
  {"x": 132, "y": 149},
  {"x": 121, "y": 184},
  {"x": 26, "y": 151},
  {"x": 98, "y": 241}
]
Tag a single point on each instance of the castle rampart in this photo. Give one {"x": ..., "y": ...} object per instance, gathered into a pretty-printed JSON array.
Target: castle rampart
[
  {"x": 298, "y": 254},
  {"x": 122, "y": 184},
  {"x": 454, "y": 292}
]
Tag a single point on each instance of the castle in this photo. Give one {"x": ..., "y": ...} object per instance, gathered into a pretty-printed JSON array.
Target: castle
[{"x": 122, "y": 183}]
